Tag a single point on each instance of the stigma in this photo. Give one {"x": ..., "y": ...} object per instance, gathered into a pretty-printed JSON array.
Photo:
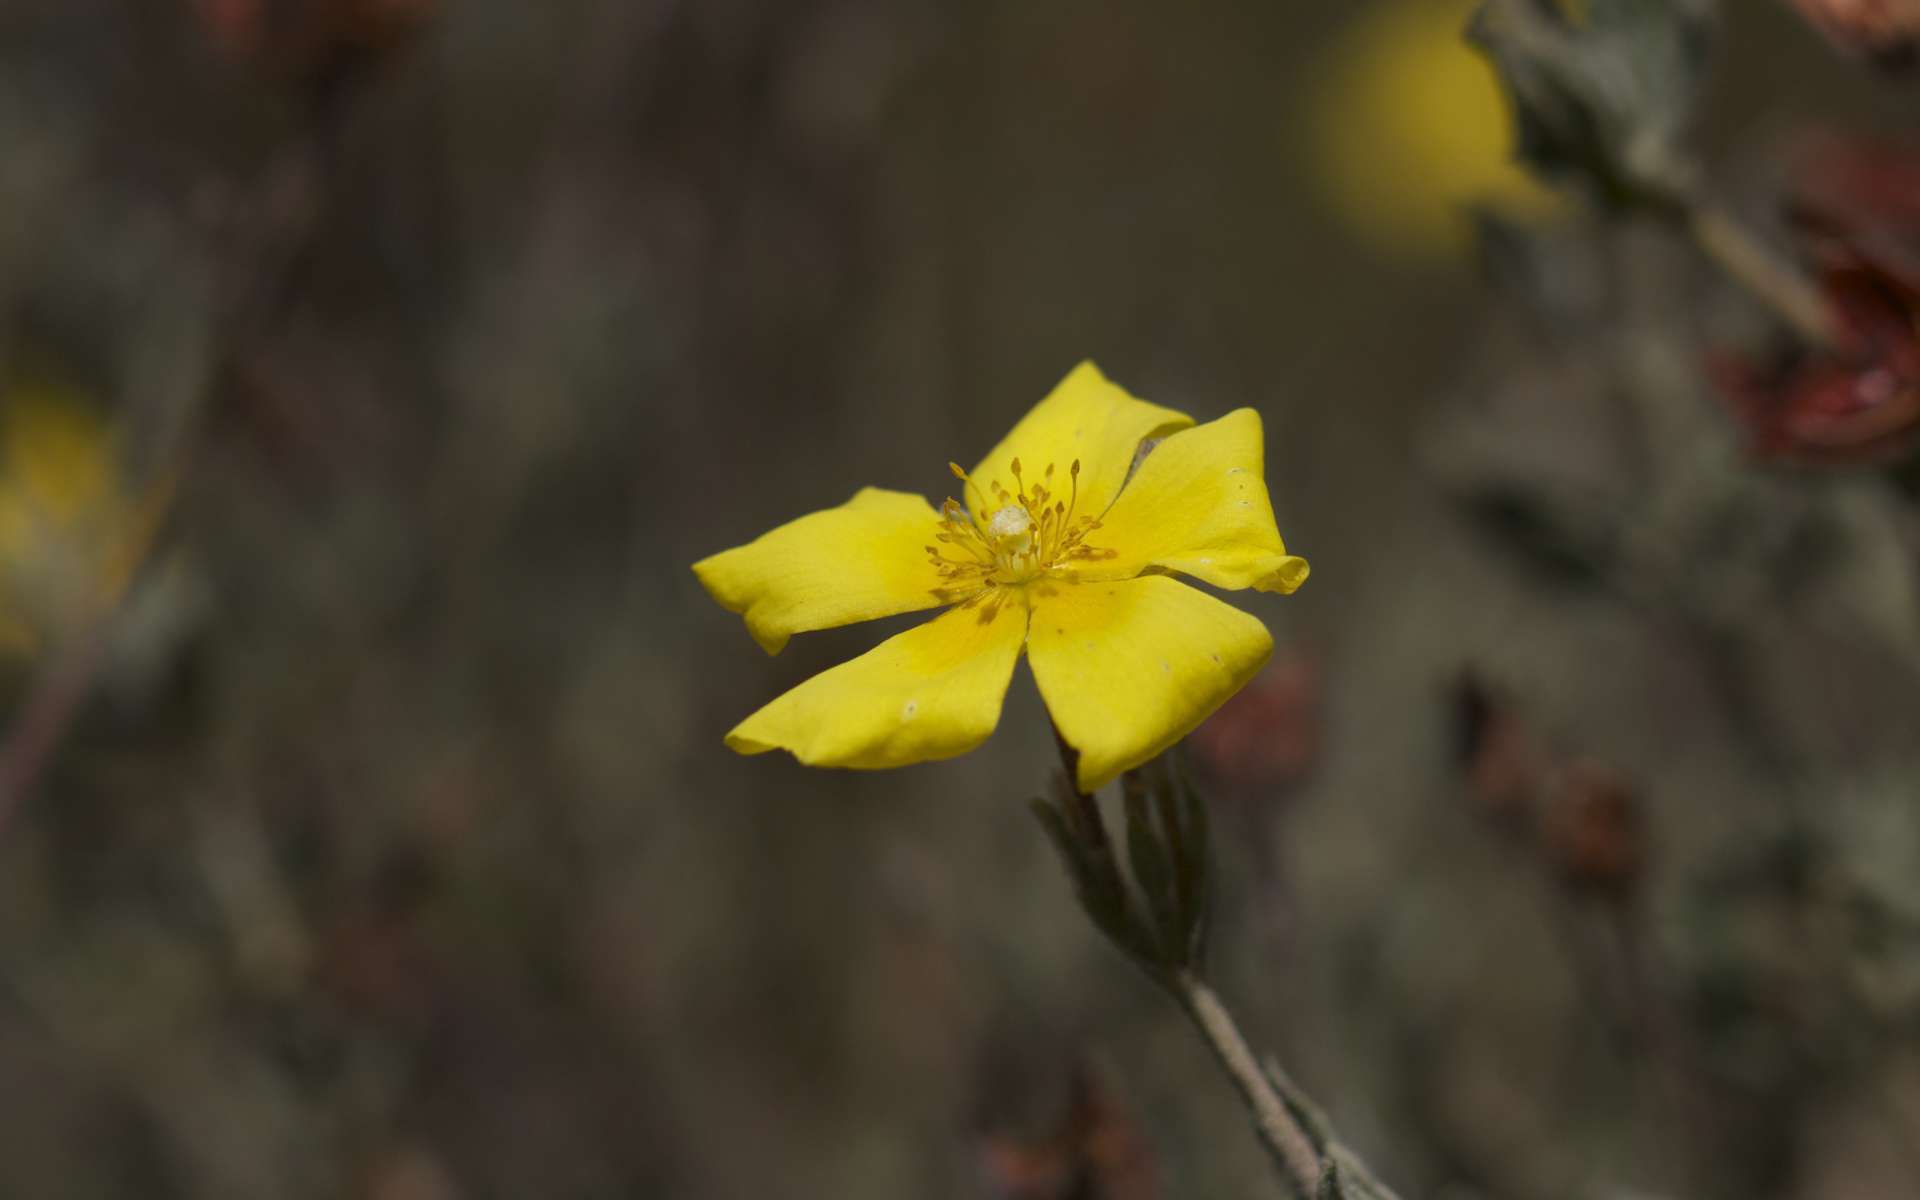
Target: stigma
[{"x": 1010, "y": 530}]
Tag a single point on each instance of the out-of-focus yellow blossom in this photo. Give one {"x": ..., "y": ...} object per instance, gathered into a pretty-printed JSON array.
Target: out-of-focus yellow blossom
[
  {"x": 1409, "y": 124},
  {"x": 69, "y": 533},
  {"x": 1064, "y": 550}
]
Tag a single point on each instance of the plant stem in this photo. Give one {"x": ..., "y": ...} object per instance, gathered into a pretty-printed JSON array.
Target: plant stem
[
  {"x": 1282, "y": 1135},
  {"x": 1281, "y": 1115}
]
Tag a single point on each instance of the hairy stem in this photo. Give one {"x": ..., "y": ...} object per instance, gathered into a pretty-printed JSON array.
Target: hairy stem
[
  {"x": 1282, "y": 1135},
  {"x": 1275, "y": 1106}
]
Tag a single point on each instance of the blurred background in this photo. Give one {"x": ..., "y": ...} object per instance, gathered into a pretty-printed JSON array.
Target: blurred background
[{"x": 371, "y": 371}]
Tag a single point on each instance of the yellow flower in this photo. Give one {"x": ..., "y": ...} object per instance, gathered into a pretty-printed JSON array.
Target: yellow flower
[
  {"x": 1410, "y": 124},
  {"x": 1065, "y": 550},
  {"x": 66, "y": 523}
]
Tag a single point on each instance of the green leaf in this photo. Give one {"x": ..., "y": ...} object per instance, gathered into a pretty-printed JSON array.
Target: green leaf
[
  {"x": 1097, "y": 884},
  {"x": 1197, "y": 881},
  {"x": 1153, "y": 870}
]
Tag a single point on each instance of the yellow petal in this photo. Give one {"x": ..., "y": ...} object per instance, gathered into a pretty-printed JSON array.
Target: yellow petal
[
  {"x": 1086, "y": 418},
  {"x": 1129, "y": 667},
  {"x": 863, "y": 560},
  {"x": 931, "y": 692},
  {"x": 1199, "y": 505}
]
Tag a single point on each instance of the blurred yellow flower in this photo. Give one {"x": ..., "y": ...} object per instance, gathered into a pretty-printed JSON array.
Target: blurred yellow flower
[
  {"x": 67, "y": 527},
  {"x": 1409, "y": 124},
  {"x": 1065, "y": 551}
]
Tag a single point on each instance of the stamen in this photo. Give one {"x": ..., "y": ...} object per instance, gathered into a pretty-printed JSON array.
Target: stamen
[{"x": 966, "y": 480}]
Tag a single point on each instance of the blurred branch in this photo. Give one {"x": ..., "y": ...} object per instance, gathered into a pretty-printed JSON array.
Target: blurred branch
[
  {"x": 69, "y": 674},
  {"x": 50, "y": 708},
  {"x": 268, "y": 236},
  {"x": 1747, "y": 261},
  {"x": 1603, "y": 100}
]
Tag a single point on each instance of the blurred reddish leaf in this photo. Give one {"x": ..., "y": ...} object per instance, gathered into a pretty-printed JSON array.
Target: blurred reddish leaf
[
  {"x": 1576, "y": 814},
  {"x": 1593, "y": 832},
  {"x": 305, "y": 37},
  {"x": 1885, "y": 30},
  {"x": 1098, "y": 1153},
  {"x": 381, "y": 968},
  {"x": 1502, "y": 761},
  {"x": 1856, "y": 200},
  {"x": 233, "y": 24},
  {"x": 1857, "y": 405},
  {"x": 1268, "y": 733},
  {"x": 411, "y": 1172},
  {"x": 1856, "y": 205}
]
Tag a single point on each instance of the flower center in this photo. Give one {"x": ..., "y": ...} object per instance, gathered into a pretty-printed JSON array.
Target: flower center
[
  {"x": 1011, "y": 528},
  {"x": 1030, "y": 534},
  {"x": 1010, "y": 536}
]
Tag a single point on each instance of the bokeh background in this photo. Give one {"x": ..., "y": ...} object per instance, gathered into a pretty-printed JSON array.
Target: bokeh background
[{"x": 371, "y": 371}]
